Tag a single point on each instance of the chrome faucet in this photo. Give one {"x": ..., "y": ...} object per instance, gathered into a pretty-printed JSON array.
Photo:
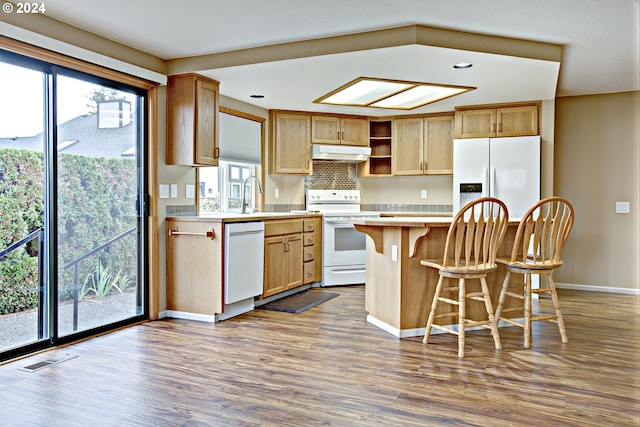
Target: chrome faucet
[{"x": 244, "y": 185}]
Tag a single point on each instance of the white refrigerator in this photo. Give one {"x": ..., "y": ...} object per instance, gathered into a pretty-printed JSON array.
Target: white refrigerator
[{"x": 505, "y": 168}]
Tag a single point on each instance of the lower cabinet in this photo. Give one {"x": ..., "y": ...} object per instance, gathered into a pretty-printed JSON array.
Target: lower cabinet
[
  {"x": 312, "y": 242},
  {"x": 283, "y": 256}
]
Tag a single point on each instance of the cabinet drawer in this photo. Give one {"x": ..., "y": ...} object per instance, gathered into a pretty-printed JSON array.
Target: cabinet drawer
[
  {"x": 309, "y": 239},
  {"x": 309, "y": 225},
  {"x": 309, "y": 272},
  {"x": 285, "y": 226},
  {"x": 308, "y": 253}
]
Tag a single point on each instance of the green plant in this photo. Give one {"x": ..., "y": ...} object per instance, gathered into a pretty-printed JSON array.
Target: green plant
[{"x": 100, "y": 282}]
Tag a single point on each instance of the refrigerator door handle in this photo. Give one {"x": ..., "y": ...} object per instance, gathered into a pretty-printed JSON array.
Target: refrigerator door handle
[
  {"x": 485, "y": 181},
  {"x": 493, "y": 182}
]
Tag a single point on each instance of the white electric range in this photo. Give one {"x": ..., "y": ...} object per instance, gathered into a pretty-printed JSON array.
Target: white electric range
[{"x": 343, "y": 247}]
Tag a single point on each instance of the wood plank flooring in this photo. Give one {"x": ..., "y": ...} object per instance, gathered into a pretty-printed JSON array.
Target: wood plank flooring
[{"x": 328, "y": 366}]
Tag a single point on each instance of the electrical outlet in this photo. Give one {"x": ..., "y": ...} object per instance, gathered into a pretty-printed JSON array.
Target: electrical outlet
[
  {"x": 423, "y": 194},
  {"x": 174, "y": 191},
  {"x": 277, "y": 193}
]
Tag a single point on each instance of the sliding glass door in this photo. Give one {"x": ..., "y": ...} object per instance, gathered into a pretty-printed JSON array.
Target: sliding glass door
[
  {"x": 23, "y": 298},
  {"x": 98, "y": 132},
  {"x": 71, "y": 212}
]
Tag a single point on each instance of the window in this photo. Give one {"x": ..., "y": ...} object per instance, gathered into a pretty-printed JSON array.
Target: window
[{"x": 221, "y": 187}]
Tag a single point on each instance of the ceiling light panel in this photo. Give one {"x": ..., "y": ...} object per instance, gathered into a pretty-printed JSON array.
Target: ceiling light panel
[{"x": 391, "y": 94}]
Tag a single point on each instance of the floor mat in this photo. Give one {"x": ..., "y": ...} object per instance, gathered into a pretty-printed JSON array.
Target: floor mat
[{"x": 299, "y": 302}]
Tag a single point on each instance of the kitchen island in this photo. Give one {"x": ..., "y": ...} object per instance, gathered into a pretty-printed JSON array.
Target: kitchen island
[{"x": 399, "y": 290}]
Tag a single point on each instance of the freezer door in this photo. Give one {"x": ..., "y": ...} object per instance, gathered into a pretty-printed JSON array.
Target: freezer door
[
  {"x": 470, "y": 166},
  {"x": 514, "y": 172}
]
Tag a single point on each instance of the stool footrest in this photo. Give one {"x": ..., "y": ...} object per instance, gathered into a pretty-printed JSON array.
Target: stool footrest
[
  {"x": 444, "y": 328},
  {"x": 449, "y": 300}
]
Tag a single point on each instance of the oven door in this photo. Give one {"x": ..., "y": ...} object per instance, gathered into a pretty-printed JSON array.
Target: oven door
[{"x": 343, "y": 245}]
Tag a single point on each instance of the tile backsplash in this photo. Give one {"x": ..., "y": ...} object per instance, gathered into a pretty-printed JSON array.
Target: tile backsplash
[{"x": 331, "y": 175}]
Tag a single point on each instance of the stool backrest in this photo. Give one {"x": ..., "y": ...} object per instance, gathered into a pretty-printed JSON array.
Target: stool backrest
[
  {"x": 475, "y": 234},
  {"x": 543, "y": 232}
]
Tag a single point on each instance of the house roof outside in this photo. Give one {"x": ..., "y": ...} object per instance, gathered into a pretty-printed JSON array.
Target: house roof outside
[{"x": 82, "y": 136}]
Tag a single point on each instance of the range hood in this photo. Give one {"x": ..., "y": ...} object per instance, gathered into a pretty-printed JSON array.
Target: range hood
[{"x": 342, "y": 153}]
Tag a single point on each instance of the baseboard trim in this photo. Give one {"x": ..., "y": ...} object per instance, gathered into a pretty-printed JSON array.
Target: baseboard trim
[{"x": 597, "y": 288}]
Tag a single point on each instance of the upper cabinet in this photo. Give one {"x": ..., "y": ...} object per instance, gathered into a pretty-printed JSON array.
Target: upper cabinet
[
  {"x": 290, "y": 143},
  {"x": 423, "y": 145},
  {"x": 379, "y": 162},
  {"x": 327, "y": 129},
  {"x": 192, "y": 120},
  {"x": 520, "y": 120}
]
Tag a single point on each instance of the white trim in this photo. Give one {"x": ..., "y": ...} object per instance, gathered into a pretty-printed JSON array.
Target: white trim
[
  {"x": 190, "y": 316},
  {"x": 598, "y": 288},
  {"x": 416, "y": 332}
]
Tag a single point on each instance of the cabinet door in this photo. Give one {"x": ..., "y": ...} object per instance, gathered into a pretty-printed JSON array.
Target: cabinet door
[
  {"x": 325, "y": 130},
  {"x": 206, "y": 132},
  {"x": 438, "y": 145},
  {"x": 517, "y": 121},
  {"x": 275, "y": 261},
  {"x": 476, "y": 123},
  {"x": 408, "y": 143},
  {"x": 294, "y": 256},
  {"x": 355, "y": 131},
  {"x": 291, "y": 144}
]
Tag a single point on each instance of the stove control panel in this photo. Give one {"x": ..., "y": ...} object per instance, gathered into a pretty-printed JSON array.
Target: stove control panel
[{"x": 333, "y": 196}]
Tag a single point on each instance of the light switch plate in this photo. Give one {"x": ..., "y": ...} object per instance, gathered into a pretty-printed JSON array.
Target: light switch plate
[
  {"x": 423, "y": 194},
  {"x": 163, "y": 191},
  {"x": 189, "y": 191},
  {"x": 174, "y": 191},
  {"x": 394, "y": 253},
  {"x": 622, "y": 207}
]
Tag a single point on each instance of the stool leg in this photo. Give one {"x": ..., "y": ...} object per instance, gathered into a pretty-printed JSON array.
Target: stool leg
[
  {"x": 492, "y": 320},
  {"x": 503, "y": 295},
  {"x": 527, "y": 310},
  {"x": 461, "y": 315},
  {"x": 556, "y": 304},
  {"x": 434, "y": 305}
]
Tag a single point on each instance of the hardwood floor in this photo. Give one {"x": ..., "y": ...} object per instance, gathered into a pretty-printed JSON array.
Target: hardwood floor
[{"x": 328, "y": 366}]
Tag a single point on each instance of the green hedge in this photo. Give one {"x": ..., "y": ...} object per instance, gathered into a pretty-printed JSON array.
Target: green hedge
[{"x": 96, "y": 202}]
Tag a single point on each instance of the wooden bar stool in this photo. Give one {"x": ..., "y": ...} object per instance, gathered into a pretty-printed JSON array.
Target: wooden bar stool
[
  {"x": 473, "y": 240},
  {"x": 537, "y": 249}
]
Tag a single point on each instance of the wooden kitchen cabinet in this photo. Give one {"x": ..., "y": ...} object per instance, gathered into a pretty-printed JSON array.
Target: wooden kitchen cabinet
[
  {"x": 423, "y": 145},
  {"x": 194, "y": 267},
  {"x": 379, "y": 162},
  {"x": 290, "y": 143},
  {"x": 339, "y": 130},
  {"x": 516, "y": 120},
  {"x": 312, "y": 250},
  {"x": 192, "y": 120},
  {"x": 283, "y": 256}
]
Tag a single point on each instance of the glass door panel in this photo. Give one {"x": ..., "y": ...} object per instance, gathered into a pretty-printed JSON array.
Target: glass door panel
[
  {"x": 97, "y": 192},
  {"x": 23, "y": 298}
]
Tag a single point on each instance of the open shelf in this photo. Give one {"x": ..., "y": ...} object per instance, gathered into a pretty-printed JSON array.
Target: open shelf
[{"x": 380, "y": 142}]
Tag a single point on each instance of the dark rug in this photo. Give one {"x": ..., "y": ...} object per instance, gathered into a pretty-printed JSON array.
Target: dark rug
[{"x": 299, "y": 302}]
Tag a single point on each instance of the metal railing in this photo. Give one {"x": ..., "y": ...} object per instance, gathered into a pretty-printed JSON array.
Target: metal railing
[
  {"x": 39, "y": 234},
  {"x": 75, "y": 263}
]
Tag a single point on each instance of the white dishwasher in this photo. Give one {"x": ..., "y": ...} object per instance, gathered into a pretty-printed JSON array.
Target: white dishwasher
[{"x": 243, "y": 266}]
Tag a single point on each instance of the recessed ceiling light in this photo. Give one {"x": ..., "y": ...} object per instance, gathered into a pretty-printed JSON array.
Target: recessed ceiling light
[
  {"x": 392, "y": 94},
  {"x": 257, "y": 96},
  {"x": 463, "y": 65}
]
